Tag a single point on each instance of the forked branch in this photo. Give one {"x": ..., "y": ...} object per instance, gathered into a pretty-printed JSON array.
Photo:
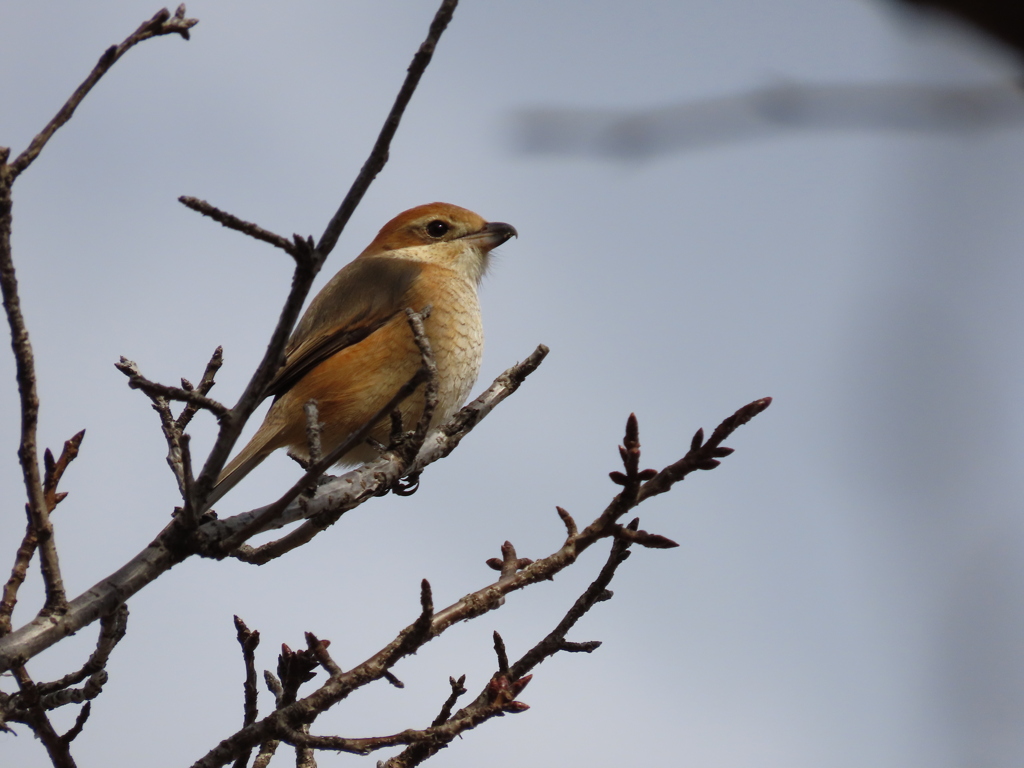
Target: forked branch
[{"x": 290, "y": 723}]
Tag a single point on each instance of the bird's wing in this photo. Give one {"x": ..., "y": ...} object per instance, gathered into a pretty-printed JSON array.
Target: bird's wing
[{"x": 357, "y": 301}]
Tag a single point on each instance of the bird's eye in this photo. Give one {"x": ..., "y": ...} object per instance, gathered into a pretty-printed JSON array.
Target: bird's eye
[{"x": 437, "y": 228}]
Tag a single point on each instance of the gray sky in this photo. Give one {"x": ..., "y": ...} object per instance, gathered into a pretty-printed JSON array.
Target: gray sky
[{"x": 846, "y": 592}]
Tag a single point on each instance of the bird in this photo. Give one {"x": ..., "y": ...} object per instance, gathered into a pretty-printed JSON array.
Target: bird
[{"x": 353, "y": 348}]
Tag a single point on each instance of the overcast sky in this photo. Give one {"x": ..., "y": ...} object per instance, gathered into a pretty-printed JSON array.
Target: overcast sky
[{"x": 716, "y": 201}]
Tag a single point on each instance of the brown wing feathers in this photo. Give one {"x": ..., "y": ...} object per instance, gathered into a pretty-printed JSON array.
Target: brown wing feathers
[
  {"x": 362, "y": 299},
  {"x": 359, "y": 300}
]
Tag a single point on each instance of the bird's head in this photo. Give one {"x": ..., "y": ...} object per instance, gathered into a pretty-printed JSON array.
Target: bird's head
[{"x": 444, "y": 234}]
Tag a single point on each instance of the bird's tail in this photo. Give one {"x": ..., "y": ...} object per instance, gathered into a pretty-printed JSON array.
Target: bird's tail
[{"x": 262, "y": 445}]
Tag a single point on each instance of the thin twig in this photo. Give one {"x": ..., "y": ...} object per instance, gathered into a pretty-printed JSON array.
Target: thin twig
[
  {"x": 381, "y": 148},
  {"x": 178, "y": 454},
  {"x": 54, "y": 471},
  {"x": 504, "y": 688},
  {"x": 22, "y": 559},
  {"x": 248, "y": 639},
  {"x": 76, "y": 729},
  {"x": 458, "y": 689},
  {"x": 154, "y": 390},
  {"x": 702, "y": 455},
  {"x": 112, "y": 631},
  {"x": 205, "y": 385},
  {"x": 555, "y": 641},
  {"x": 37, "y": 720},
  {"x": 39, "y": 516},
  {"x": 314, "y": 428},
  {"x": 161, "y": 24},
  {"x": 291, "y": 247},
  {"x": 429, "y": 365}
]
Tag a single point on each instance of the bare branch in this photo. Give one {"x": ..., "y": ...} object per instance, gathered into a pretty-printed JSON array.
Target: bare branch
[
  {"x": 393, "y": 680},
  {"x": 35, "y": 717},
  {"x": 164, "y": 552},
  {"x": 163, "y": 23},
  {"x": 41, "y": 529},
  {"x": 508, "y": 564},
  {"x": 269, "y": 747},
  {"x": 167, "y": 550},
  {"x": 555, "y": 640},
  {"x": 502, "y": 654},
  {"x": 504, "y": 688},
  {"x": 643, "y": 134},
  {"x": 266, "y": 754},
  {"x": 83, "y": 715},
  {"x": 112, "y": 631},
  {"x": 645, "y": 539},
  {"x": 458, "y": 689},
  {"x": 205, "y": 385},
  {"x": 178, "y": 454},
  {"x": 570, "y": 524},
  {"x": 702, "y": 456},
  {"x": 288, "y": 723},
  {"x": 499, "y": 696},
  {"x": 379, "y": 155},
  {"x": 154, "y": 390},
  {"x": 248, "y": 640},
  {"x": 429, "y": 364},
  {"x": 313, "y": 429},
  {"x": 1001, "y": 20},
  {"x": 170, "y": 546},
  {"x": 54, "y": 471},
  {"x": 501, "y": 692},
  {"x": 22, "y": 559},
  {"x": 190, "y": 516},
  {"x": 293, "y": 247}
]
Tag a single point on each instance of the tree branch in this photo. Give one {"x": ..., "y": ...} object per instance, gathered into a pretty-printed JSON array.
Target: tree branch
[
  {"x": 297, "y": 248},
  {"x": 248, "y": 640},
  {"x": 381, "y": 148},
  {"x": 54, "y": 471},
  {"x": 41, "y": 529},
  {"x": 174, "y": 544},
  {"x": 35, "y": 717},
  {"x": 499, "y": 697},
  {"x": 161, "y": 24},
  {"x": 196, "y": 399},
  {"x": 112, "y": 630}
]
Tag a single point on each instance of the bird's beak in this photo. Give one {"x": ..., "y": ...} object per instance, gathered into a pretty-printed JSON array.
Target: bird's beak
[{"x": 492, "y": 235}]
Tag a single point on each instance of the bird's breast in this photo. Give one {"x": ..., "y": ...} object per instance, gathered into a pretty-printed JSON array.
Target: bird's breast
[
  {"x": 456, "y": 334},
  {"x": 354, "y": 384}
]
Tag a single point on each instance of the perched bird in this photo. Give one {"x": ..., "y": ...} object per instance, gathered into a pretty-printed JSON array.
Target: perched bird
[{"x": 353, "y": 348}]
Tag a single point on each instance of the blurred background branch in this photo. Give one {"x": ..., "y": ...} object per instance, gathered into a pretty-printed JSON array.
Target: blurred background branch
[{"x": 767, "y": 111}]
